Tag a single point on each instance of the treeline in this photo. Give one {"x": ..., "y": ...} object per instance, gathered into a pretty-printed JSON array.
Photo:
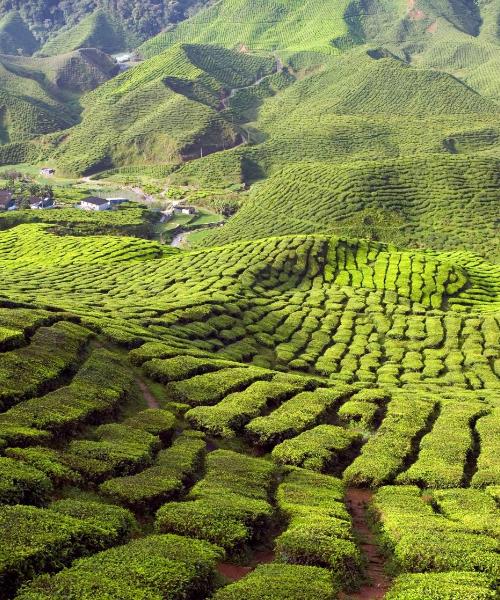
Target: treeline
[{"x": 142, "y": 17}]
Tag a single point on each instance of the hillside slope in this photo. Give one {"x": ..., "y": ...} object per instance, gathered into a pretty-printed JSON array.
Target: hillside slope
[
  {"x": 40, "y": 96},
  {"x": 165, "y": 110},
  {"x": 436, "y": 201},
  {"x": 15, "y": 35}
]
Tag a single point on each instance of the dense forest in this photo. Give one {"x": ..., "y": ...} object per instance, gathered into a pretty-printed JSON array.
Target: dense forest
[{"x": 143, "y": 17}]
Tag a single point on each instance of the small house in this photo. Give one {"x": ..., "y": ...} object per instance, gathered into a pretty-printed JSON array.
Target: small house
[
  {"x": 95, "y": 203},
  {"x": 41, "y": 203},
  {"x": 6, "y": 200},
  {"x": 47, "y": 171}
]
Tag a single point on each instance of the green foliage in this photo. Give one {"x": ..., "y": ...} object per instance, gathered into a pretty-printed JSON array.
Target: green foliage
[
  {"x": 295, "y": 415},
  {"x": 166, "y": 566},
  {"x": 172, "y": 471},
  {"x": 423, "y": 540},
  {"x": 442, "y": 586},
  {"x": 37, "y": 540},
  {"x": 22, "y": 484},
  {"x": 15, "y": 35},
  {"x": 228, "y": 507},
  {"x": 318, "y": 449},
  {"x": 319, "y": 530},
  {"x": 281, "y": 582},
  {"x": 52, "y": 352}
]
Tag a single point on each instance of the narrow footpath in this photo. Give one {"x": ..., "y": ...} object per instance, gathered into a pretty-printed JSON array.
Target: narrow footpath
[
  {"x": 377, "y": 582},
  {"x": 151, "y": 401}
]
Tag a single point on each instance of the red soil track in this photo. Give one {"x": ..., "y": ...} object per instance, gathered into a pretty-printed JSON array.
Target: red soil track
[
  {"x": 378, "y": 582},
  {"x": 151, "y": 401},
  {"x": 237, "y": 572}
]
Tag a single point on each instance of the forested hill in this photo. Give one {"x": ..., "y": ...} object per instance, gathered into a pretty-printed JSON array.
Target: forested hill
[{"x": 143, "y": 18}]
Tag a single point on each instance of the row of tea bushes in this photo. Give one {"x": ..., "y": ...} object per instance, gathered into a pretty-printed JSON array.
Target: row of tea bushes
[
  {"x": 96, "y": 390},
  {"x": 319, "y": 528},
  {"x": 35, "y": 540},
  {"x": 385, "y": 454},
  {"x": 29, "y": 370},
  {"x": 173, "y": 469},
  {"x": 424, "y": 540},
  {"x": 155, "y": 567},
  {"x": 229, "y": 506}
]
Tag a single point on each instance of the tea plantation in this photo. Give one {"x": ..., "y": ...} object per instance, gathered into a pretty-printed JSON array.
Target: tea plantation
[
  {"x": 299, "y": 398},
  {"x": 169, "y": 416}
]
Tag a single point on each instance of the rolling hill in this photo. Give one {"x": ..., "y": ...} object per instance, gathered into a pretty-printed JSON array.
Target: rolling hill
[
  {"x": 40, "y": 96},
  {"x": 15, "y": 35},
  {"x": 167, "y": 109}
]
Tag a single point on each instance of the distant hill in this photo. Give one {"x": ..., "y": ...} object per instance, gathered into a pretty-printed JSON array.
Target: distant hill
[
  {"x": 15, "y": 35},
  {"x": 139, "y": 19},
  {"x": 97, "y": 30},
  {"x": 445, "y": 202},
  {"x": 169, "y": 108},
  {"x": 39, "y": 96}
]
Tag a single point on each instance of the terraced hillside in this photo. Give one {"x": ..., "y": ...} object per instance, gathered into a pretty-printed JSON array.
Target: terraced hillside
[
  {"x": 40, "y": 96},
  {"x": 225, "y": 406},
  {"x": 167, "y": 110},
  {"x": 437, "y": 201}
]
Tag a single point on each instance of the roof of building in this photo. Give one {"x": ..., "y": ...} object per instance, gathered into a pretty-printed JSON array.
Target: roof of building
[{"x": 95, "y": 200}]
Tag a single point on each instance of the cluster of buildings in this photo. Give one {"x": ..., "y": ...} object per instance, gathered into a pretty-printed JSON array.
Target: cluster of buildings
[
  {"x": 178, "y": 208},
  {"x": 9, "y": 202},
  {"x": 98, "y": 204}
]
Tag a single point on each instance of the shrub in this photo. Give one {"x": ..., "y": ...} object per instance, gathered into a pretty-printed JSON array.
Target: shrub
[
  {"x": 21, "y": 483},
  {"x": 174, "y": 467},
  {"x": 237, "y": 409},
  {"x": 158, "y": 566},
  {"x": 228, "y": 507},
  {"x": 488, "y": 462},
  {"x": 294, "y": 416},
  {"x": 454, "y": 585},
  {"x": 36, "y": 540},
  {"x": 318, "y": 449},
  {"x": 156, "y": 421},
  {"x": 212, "y": 387},
  {"x": 319, "y": 531},
  {"x": 281, "y": 582},
  {"x": 46, "y": 460},
  {"x": 182, "y": 367}
]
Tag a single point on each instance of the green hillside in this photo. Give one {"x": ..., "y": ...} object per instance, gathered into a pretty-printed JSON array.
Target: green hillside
[
  {"x": 98, "y": 30},
  {"x": 445, "y": 202},
  {"x": 40, "y": 96},
  {"x": 15, "y": 35},
  {"x": 286, "y": 26},
  {"x": 167, "y": 109}
]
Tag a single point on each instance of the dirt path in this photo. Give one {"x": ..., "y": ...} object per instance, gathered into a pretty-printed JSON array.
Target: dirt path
[
  {"x": 377, "y": 581},
  {"x": 152, "y": 402},
  {"x": 237, "y": 572}
]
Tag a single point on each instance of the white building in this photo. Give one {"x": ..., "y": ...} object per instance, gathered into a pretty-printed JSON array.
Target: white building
[{"x": 94, "y": 203}]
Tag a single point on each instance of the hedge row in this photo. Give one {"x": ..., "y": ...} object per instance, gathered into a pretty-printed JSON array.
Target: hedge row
[
  {"x": 319, "y": 531},
  {"x": 173, "y": 469},
  {"x": 237, "y": 409},
  {"x": 384, "y": 455},
  {"x": 363, "y": 407},
  {"x": 228, "y": 507},
  {"x": 294, "y": 416},
  {"x": 318, "y": 449},
  {"x": 488, "y": 462},
  {"x": 210, "y": 388},
  {"x": 422, "y": 540},
  {"x": 51, "y": 352},
  {"x": 281, "y": 582},
  {"x": 457, "y": 585},
  {"x": 48, "y": 461},
  {"x": 96, "y": 389},
  {"x": 152, "y": 568},
  {"x": 36, "y": 540},
  {"x": 444, "y": 450},
  {"x": 21, "y": 483},
  {"x": 182, "y": 367},
  {"x": 118, "y": 450}
]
